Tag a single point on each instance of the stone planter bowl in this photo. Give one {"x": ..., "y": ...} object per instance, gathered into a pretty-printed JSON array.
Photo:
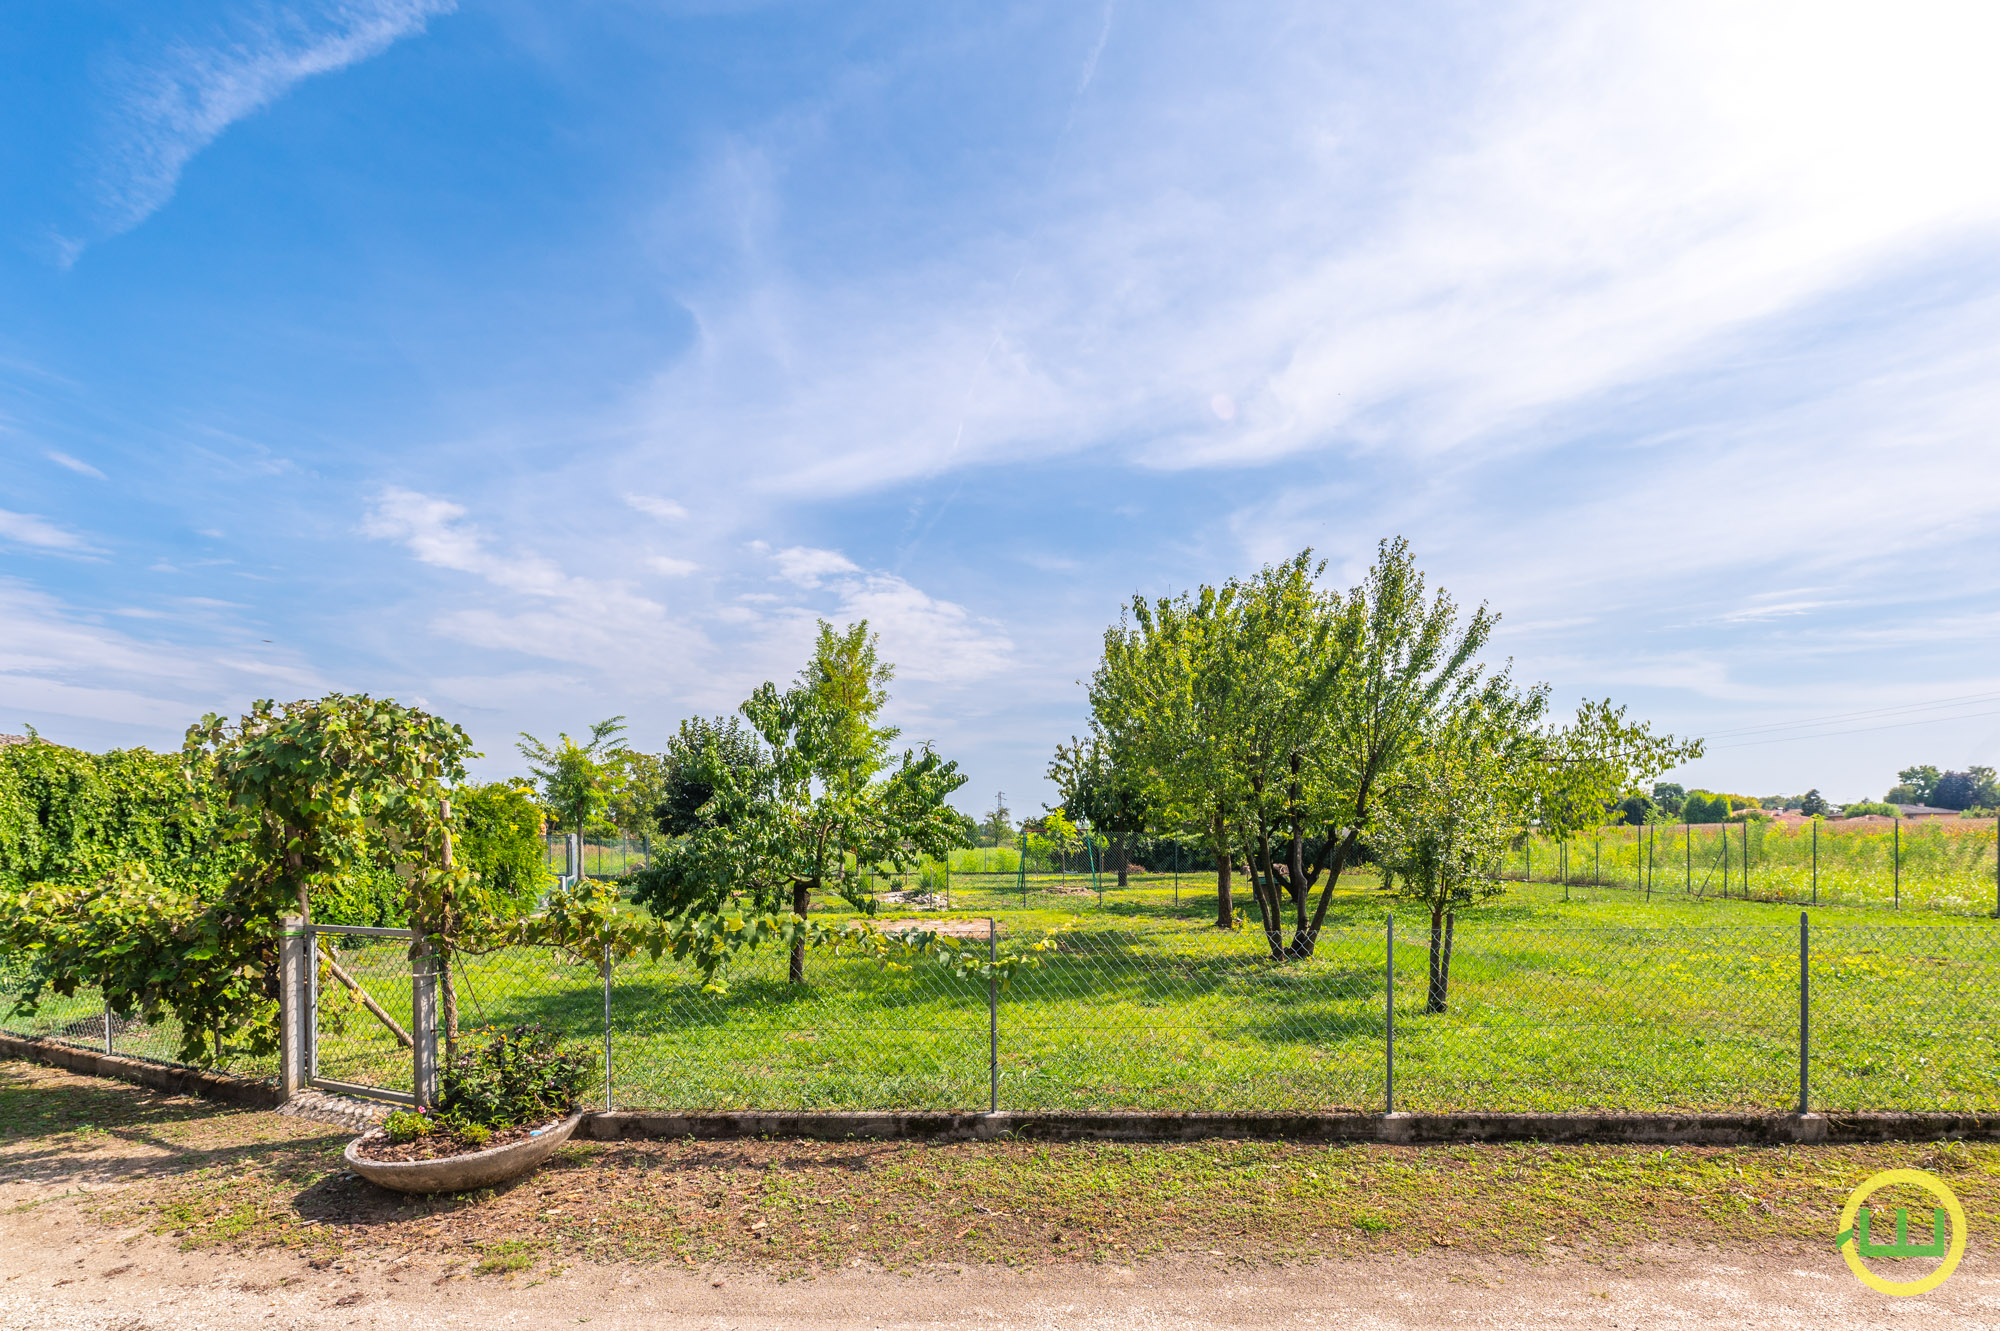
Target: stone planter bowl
[{"x": 458, "y": 1173}]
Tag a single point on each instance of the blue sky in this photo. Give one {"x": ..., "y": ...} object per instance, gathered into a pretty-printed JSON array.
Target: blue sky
[{"x": 543, "y": 361}]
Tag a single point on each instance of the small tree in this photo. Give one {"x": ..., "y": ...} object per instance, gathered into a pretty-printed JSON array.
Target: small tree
[
  {"x": 1453, "y": 807},
  {"x": 824, "y": 791},
  {"x": 1585, "y": 768},
  {"x": 1812, "y": 806},
  {"x": 578, "y": 781}
]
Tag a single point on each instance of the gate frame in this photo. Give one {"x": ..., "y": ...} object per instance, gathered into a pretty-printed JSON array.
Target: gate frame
[{"x": 298, "y": 1024}]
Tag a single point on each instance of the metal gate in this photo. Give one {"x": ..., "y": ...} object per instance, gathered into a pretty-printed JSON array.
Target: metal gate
[{"x": 363, "y": 1027}]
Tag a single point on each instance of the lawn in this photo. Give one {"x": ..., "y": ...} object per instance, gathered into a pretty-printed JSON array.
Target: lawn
[
  {"x": 218, "y": 1177},
  {"x": 1598, "y": 1002}
]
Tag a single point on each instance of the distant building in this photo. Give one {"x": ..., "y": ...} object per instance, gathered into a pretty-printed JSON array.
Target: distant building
[
  {"x": 1924, "y": 811},
  {"x": 5, "y": 740}
]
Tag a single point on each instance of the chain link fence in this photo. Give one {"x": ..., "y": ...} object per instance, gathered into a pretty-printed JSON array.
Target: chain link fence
[{"x": 1172, "y": 1015}]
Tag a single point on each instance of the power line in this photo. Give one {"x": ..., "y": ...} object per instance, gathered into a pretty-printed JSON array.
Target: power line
[
  {"x": 1858, "y": 730},
  {"x": 1838, "y": 717}
]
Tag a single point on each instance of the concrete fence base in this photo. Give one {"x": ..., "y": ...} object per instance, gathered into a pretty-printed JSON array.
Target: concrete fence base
[
  {"x": 1132, "y": 1125},
  {"x": 1401, "y": 1129},
  {"x": 172, "y": 1078}
]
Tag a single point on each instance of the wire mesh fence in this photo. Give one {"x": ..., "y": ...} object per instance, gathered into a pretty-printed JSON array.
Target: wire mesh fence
[
  {"x": 361, "y": 1008},
  {"x": 1494, "y": 1014}
]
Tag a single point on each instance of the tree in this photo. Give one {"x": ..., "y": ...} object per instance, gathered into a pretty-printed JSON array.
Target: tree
[
  {"x": 825, "y": 792},
  {"x": 1919, "y": 784},
  {"x": 1095, "y": 793},
  {"x": 1451, "y": 809},
  {"x": 1283, "y": 708},
  {"x": 499, "y": 838},
  {"x": 578, "y": 781},
  {"x": 1812, "y": 806},
  {"x": 1971, "y": 789},
  {"x": 997, "y": 828},
  {"x": 1636, "y": 810},
  {"x": 1702, "y": 807},
  {"x": 1668, "y": 795},
  {"x": 1583, "y": 767},
  {"x": 684, "y": 788},
  {"x": 1166, "y": 707}
]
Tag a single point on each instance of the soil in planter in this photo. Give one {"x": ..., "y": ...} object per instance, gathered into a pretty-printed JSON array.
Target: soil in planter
[{"x": 441, "y": 1145}]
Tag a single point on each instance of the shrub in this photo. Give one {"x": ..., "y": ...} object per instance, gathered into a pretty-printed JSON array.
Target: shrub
[
  {"x": 510, "y": 1077},
  {"x": 1865, "y": 808}
]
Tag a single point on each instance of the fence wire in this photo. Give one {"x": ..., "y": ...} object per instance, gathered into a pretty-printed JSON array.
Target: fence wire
[{"x": 1120, "y": 1013}]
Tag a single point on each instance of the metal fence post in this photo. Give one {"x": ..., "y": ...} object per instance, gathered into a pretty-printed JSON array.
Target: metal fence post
[
  {"x": 1815, "y": 861},
  {"x": 107, "y": 1028},
  {"x": 423, "y": 1023},
  {"x": 606, "y": 966},
  {"x": 294, "y": 1011},
  {"x": 1805, "y": 1012},
  {"x": 1896, "y": 857},
  {"x": 1389, "y": 1020},
  {"x": 992, "y": 1018}
]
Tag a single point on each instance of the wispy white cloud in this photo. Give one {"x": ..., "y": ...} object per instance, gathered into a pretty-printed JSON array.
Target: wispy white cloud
[
  {"x": 671, "y": 567},
  {"x": 30, "y": 530},
  {"x": 655, "y": 506},
  {"x": 169, "y": 104},
  {"x": 546, "y": 612},
  {"x": 77, "y": 465},
  {"x": 809, "y": 567},
  {"x": 54, "y": 660}
]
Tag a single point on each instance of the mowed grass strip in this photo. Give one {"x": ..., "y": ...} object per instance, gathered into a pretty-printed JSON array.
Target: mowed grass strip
[{"x": 217, "y": 1177}]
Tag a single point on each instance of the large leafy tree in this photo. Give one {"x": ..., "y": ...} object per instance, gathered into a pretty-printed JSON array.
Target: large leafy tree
[
  {"x": 1164, "y": 705},
  {"x": 1970, "y": 789},
  {"x": 824, "y": 792}
]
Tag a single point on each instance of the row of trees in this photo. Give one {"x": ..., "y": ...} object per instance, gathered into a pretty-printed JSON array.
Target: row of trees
[{"x": 1286, "y": 722}]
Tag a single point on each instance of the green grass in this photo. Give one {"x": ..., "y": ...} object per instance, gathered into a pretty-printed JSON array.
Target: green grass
[
  {"x": 1940, "y": 865},
  {"x": 1598, "y": 1002}
]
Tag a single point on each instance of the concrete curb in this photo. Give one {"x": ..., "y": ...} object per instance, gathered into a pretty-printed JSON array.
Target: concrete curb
[
  {"x": 1401, "y": 1128},
  {"x": 169, "y": 1077}
]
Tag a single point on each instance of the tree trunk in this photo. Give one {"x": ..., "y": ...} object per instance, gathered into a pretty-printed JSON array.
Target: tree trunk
[
  {"x": 801, "y": 898},
  {"x": 1118, "y": 849},
  {"x": 1269, "y": 904},
  {"x": 1225, "y": 895},
  {"x": 1440, "y": 973},
  {"x": 1295, "y": 858}
]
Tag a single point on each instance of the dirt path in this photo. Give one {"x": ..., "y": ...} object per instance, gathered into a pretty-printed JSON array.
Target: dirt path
[{"x": 59, "y": 1271}]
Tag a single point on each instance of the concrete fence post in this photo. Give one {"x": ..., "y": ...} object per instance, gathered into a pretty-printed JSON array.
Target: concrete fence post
[
  {"x": 424, "y": 1023},
  {"x": 294, "y": 1007}
]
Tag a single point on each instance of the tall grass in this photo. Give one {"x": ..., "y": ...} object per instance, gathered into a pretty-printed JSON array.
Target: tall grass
[{"x": 1944, "y": 865}]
